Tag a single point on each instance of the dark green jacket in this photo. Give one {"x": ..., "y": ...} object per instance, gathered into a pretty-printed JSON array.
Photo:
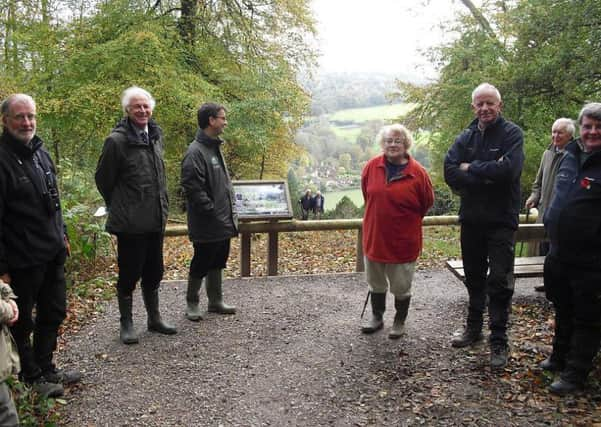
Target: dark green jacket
[
  {"x": 131, "y": 178},
  {"x": 209, "y": 192}
]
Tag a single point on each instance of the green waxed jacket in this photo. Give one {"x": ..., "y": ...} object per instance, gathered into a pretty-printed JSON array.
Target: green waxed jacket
[
  {"x": 131, "y": 178},
  {"x": 209, "y": 192}
]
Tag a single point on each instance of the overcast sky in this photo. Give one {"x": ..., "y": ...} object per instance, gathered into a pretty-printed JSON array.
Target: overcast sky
[{"x": 379, "y": 35}]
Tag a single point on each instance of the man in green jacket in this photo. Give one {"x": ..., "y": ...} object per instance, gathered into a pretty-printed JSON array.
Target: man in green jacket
[
  {"x": 212, "y": 221},
  {"x": 131, "y": 178}
]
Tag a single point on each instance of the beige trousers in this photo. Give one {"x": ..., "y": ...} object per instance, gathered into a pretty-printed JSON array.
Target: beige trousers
[{"x": 398, "y": 277}]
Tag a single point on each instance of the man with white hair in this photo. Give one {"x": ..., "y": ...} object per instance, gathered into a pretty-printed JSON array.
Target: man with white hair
[
  {"x": 484, "y": 166},
  {"x": 33, "y": 245},
  {"x": 131, "y": 178},
  {"x": 562, "y": 133}
]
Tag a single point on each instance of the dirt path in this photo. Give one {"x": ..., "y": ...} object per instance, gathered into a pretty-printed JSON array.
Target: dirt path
[{"x": 294, "y": 356}]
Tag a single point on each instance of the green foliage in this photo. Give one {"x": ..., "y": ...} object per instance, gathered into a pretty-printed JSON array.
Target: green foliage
[
  {"x": 345, "y": 209},
  {"x": 541, "y": 57}
]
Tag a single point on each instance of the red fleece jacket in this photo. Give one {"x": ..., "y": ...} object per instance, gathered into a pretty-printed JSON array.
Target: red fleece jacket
[{"x": 392, "y": 224}]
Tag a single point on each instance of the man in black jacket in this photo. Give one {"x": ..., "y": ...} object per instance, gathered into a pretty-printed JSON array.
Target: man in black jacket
[
  {"x": 484, "y": 166},
  {"x": 131, "y": 178},
  {"x": 33, "y": 245},
  {"x": 212, "y": 221}
]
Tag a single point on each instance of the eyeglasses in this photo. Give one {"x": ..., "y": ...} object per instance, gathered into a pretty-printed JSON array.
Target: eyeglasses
[
  {"x": 22, "y": 117},
  {"x": 220, "y": 117},
  {"x": 391, "y": 141}
]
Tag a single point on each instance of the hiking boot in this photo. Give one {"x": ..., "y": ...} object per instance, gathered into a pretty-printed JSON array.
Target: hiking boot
[
  {"x": 563, "y": 387},
  {"x": 498, "y": 356},
  {"x": 46, "y": 389},
  {"x": 467, "y": 338},
  {"x": 59, "y": 376},
  {"x": 539, "y": 288},
  {"x": 549, "y": 364}
]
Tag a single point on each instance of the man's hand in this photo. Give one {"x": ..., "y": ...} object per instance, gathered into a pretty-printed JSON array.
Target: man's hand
[
  {"x": 15, "y": 317},
  {"x": 5, "y": 278},
  {"x": 530, "y": 203},
  {"x": 464, "y": 167}
]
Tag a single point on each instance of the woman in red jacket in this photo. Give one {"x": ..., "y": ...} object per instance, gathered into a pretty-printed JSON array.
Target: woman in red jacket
[{"x": 397, "y": 192}]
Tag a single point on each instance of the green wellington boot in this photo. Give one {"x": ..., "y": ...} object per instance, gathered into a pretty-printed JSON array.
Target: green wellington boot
[
  {"x": 193, "y": 310},
  {"x": 215, "y": 294}
]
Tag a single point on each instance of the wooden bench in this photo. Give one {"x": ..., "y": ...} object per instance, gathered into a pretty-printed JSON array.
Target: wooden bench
[
  {"x": 530, "y": 266},
  {"x": 522, "y": 266}
]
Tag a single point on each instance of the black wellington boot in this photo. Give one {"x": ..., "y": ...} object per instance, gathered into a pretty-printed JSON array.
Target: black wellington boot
[
  {"x": 376, "y": 321},
  {"x": 155, "y": 322},
  {"x": 398, "y": 327},
  {"x": 127, "y": 333}
]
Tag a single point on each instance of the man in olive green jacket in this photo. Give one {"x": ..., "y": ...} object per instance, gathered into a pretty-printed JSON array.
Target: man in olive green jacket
[{"x": 212, "y": 221}]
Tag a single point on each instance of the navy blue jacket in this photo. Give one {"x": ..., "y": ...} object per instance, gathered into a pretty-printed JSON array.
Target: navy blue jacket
[
  {"x": 573, "y": 219},
  {"x": 490, "y": 189},
  {"x": 31, "y": 224}
]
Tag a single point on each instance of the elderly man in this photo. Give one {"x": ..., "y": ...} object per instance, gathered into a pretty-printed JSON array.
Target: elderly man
[
  {"x": 131, "y": 178},
  {"x": 33, "y": 245},
  {"x": 573, "y": 265},
  {"x": 562, "y": 132},
  {"x": 484, "y": 166},
  {"x": 212, "y": 221}
]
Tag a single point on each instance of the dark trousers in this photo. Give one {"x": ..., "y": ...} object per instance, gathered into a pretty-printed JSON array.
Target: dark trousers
[
  {"x": 209, "y": 256},
  {"x": 139, "y": 256},
  {"x": 575, "y": 292},
  {"x": 488, "y": 256},
  {"x": 42, "y": 287}
]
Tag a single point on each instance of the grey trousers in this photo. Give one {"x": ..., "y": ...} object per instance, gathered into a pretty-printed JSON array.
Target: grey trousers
[{"x": 8, "y": 412}]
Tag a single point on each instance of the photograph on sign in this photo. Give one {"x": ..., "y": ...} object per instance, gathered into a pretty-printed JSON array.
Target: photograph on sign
[{"x": 262, "y": 200}]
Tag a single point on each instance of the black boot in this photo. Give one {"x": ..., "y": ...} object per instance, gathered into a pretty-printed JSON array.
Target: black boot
[
  {"x": 215, "y": 294},
  {"x": 127, "y": 332},
  {"x": 473, "y": 330},
  {"x": 155, "y": 322},
  {"x": 402, "y": 309},
  {"x": 376, "y": 321}
]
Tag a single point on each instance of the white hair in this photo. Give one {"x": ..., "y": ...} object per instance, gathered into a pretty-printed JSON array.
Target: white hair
[
  {"x": 13, "y": 99},
  {"x": 395, "y": 128},
  {"x": 135, "y": 91},
  {"x": 486, "y": 87},
  {"x": 567, "y": 124}
]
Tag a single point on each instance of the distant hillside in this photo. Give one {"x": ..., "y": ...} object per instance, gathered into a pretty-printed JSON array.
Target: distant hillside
[{"x": 332, "y": 92}]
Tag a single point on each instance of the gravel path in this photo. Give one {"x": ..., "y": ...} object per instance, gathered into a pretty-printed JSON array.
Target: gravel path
[{"x": 293, "y": 355}]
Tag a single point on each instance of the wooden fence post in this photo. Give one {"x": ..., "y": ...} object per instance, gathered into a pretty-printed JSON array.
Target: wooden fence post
[
  {"x": 272, "y": 254},
  {"x": 245, "y": 254},
  {"x": 359, "y": 262}
]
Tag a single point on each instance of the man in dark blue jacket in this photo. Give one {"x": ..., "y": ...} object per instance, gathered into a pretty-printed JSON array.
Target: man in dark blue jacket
[
  {"x": 33, "y": 245},
  {"x": 212, "y": 220},
  {"x": 573, "y": 265},
  {"x": 484, "y": 166}
]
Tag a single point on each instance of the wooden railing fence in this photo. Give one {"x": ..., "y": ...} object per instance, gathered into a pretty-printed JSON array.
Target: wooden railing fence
[{"x": 527, "y": 231}]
